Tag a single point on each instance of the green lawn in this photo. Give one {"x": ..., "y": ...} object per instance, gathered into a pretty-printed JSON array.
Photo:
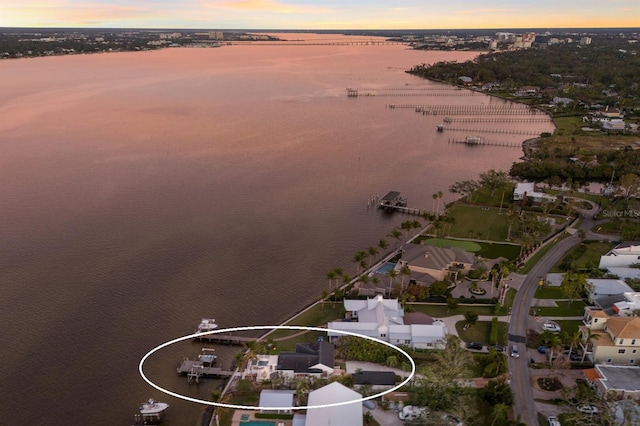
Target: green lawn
[
  {"x": 485, "y": 250},
  {"x": 478, "y": 223},
  {"x": 508, "y": 301},
  {"x": 442, "y": 311},
  {"x": 479, "y": 332},
  {"x": 570, "y": 326},
  {"x": 548, "y": 292},
  {"x": 585, "y": 255},
  {"x": 317, "y": 316},
  {"x": 564, "y": 309}
]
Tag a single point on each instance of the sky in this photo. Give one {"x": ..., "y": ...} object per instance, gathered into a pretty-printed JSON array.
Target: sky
[{"x": 320, "y": 14}]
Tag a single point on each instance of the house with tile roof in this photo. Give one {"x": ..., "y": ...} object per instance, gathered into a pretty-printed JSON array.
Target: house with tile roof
[
  {"x": 617, "y": 341},
  {"x": 437, "y": 262}
]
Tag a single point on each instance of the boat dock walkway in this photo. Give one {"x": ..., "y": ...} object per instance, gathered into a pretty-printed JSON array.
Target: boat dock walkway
[
  {"x": 226, "y": 339},
  {"x": 195, "y": 370}
]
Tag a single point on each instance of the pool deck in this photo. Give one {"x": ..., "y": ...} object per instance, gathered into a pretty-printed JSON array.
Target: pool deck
[{"x": 238, "y": 419}]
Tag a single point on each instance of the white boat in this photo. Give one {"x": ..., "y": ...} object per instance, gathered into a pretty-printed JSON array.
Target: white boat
[
  {"x": 207, "y": 324},
  {"x": 153, "y": 408}
]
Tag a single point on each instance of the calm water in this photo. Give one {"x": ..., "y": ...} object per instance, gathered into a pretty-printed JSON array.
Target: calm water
[{"x": 143, "y": 191}]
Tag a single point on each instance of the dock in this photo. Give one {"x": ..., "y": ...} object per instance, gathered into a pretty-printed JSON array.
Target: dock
[
  {"x": 226, "y": 339},
  {"x": 196, "y": 369},
  {"x": 394, "y": 202}
]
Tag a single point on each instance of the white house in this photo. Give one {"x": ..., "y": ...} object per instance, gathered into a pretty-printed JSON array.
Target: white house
[
  {"x": 605, "y": 288},
  {"x": 623, "y": 255},
  {"x": 630, "y": 303},
  {"x": 347, "y": 414},
  {"x": 384, "y": 319},
  {"x": 528, "y": 189},
  {"x": 272, "y": 398}
]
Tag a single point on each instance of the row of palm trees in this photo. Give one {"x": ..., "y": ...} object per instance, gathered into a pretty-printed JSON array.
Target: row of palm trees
[{"x": 556, "y": 342}]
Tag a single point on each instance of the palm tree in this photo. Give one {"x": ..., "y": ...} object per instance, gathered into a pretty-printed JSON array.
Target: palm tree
[
  {"x": 392, "y": 275},
  {"x": 439, "y": 194},
  {"x": 331, "y": 275},
  {"x": 435, "y": 197},
  {"x": 404, "y": 272},
  {"x": 372, "y": 252},
  {"x": 588, "y": 338},
  {"x": 573, "y": 339},
  {"x": 395, "y": 233},
  {"x": 383, "y": 244},
  {"x": 324, "y": 296},
  {"x": 358, "y": 258}
]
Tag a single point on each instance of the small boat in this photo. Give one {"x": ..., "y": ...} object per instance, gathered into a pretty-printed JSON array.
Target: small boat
[
  {"x": 207, "y": 324},
  {"x": 473, "y": 140},
  {"x": 153, "y": 407},
  {"x": 151, "y": 412},
  {"x": 440, "y": 127},
  {"x": 207, "y": 357}
]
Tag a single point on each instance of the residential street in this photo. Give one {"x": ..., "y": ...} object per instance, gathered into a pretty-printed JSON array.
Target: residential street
[{"x": 518, "y": 367}]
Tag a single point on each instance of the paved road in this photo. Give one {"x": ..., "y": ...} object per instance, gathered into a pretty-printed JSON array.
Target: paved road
[{"x": 524, "y": 404}]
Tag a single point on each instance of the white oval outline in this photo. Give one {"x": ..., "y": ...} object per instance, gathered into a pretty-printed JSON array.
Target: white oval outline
[{"x": 272, "y": 327}]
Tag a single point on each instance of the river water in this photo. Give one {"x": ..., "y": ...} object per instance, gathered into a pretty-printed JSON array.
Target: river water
[{"x": 143, "y": 191}]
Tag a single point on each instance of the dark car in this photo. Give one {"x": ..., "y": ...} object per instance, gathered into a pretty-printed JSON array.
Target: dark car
[
  {"x": 575, "y": 356},
  {"x": 474, "y": 345},
  {"x": 542, "y": 349}
]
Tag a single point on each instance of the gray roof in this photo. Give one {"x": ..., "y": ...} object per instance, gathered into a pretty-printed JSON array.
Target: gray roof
[
  {"x": 438, "y": 258},
  {"x": 625, "y": 378},
  {"x": 306, "y": 356},
  {"x": 276, "y": 398},
  {"x": 382, "y": 378}
]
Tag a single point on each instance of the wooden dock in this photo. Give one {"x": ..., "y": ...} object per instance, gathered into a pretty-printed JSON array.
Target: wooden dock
[
  {"x": 226, "y": 339},
  {"x": 195, "y": 370}
]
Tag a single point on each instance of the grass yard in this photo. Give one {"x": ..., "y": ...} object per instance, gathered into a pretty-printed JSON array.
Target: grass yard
[
  {"x": 508, "y": 301},
  {"x": 314, "y": 317},
  {"x": 442, "y": 311},
  {"x": 486, "y": 250},
  {"x": 478, "y": 222},
  {"x": 569, "y": 326},
  {"x": 564, "y": 309},
  {"x": 480, "y": 331},
  {"x": 585, "y": 255},
  {"x": 548, "y": 292}
]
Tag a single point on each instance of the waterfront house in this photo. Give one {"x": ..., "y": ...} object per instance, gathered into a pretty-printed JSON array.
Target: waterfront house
[
  {"x": 437, "y": 262},
  {"x": 617, "y": 341},
  {"x": 383, "y": 319},
  {"x": 271, "y": 398},
  {"x": 623, "y": 255},
  {"x": 526, "y": 190},
  {"x": 378, "y": 380},
  {"x": 309, "y": 359},
  {"x": 347, "y": 414}
]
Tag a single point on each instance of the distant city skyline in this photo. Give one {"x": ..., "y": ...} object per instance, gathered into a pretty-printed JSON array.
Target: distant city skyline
[{"x": 320, "y": 14}]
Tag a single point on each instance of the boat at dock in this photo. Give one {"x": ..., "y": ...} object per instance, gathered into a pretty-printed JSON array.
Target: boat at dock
[
  {"x": 151, "y": 412},
  {"x": 473, "y": 140},
  {"x": 207, "y": 324}
]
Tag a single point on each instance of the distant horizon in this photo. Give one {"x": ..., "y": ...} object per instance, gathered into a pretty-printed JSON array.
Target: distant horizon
[
  {"x": 317, "y": 14},
  {"x": 312, "y": 30}
]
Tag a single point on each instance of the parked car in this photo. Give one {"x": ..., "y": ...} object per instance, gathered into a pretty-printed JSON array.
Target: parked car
[
  {"x": 554, "y": 328},
  {"x": 575, "y": 356},
  {"x": 498, "y": 348},
  {"x": 474, "y": 345},
  {"x": 451, "y": 420},
  {"x": 588, "y": 409},
  {"x": 369, "y": 404},
  {"x": 542, "y": 349},
  {"x": 411, "y": 412},
  {"x": 553, "y": 421}
]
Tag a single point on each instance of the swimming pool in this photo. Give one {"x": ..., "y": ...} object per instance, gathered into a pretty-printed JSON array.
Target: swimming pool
[
  {"x": 385, "y": 267},
  {"x": 258, "y": 423}
]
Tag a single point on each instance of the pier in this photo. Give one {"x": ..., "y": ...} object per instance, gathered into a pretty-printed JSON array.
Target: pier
[
  {"x": 483, "y": 142},
  {"x": 196, "y": 370},
  {"x": 394, "y": 202},
  {"x": 449, "y": 110},
  {"x": 443, "y": 127},
  {"x": 226, "y": 339}
]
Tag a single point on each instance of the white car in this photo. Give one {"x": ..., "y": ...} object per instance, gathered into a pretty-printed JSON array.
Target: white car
[
  {"x": 588, "y": 409},
  {"x": 553, "y": 421},
  {"x": 411, "y": 412},
  {"x": 551, "y": 327}
]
